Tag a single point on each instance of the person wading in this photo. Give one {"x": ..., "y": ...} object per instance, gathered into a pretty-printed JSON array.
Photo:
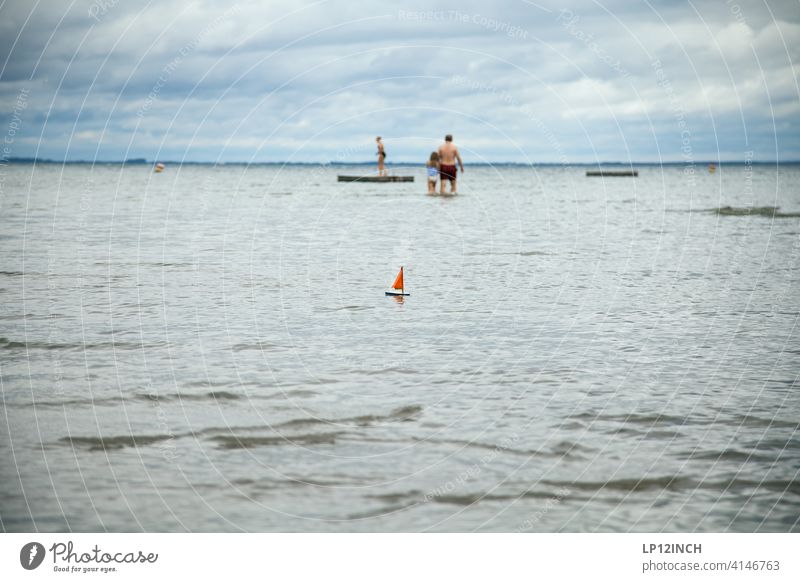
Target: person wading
[{"x": 448, "y": 155}]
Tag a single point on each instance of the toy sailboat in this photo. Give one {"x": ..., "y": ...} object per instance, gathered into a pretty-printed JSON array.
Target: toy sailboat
[{"x": 398, "y": 284}]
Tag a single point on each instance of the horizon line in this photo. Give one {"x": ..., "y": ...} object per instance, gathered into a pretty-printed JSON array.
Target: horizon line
[{"x": 145, "y": 161}]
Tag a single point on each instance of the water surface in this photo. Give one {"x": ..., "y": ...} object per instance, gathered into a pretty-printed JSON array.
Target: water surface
[{"x": 210, "y": 349}]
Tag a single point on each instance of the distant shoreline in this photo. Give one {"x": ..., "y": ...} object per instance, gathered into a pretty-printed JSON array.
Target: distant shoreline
[{"x": 144, "y": 162}]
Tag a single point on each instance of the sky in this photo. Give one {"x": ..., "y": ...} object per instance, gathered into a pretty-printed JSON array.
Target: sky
[{"x": 512, "y": 80}]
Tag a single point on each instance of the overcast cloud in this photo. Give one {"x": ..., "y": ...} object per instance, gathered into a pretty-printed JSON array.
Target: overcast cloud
[{"x": 513, "y": 80}]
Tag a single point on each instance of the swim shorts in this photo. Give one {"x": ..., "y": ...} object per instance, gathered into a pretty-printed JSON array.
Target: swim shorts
[{"x": 447, "y": 172}]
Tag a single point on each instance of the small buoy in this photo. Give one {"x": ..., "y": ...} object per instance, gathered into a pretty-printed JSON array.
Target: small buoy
[
  {"x": 398, "y": 284},
  {"x": 159, "y": 168}
]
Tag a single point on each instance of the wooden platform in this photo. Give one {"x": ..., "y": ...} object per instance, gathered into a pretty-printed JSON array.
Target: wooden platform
[
  {"x": 376, "y": 178},
  {"x": 613, "y": 173}
]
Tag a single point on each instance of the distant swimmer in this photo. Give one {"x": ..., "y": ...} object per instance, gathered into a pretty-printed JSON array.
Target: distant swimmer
[
  {"x": 381, "y": 157},
  {"x": 433, "y": 172},
  {"x": 448, "y": 154}
]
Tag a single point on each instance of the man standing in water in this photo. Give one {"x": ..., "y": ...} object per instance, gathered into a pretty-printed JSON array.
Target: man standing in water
[{"x": 448, "y": 154}]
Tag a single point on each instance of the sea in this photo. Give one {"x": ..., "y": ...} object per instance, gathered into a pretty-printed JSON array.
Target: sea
[{"x": 210, "y": 348}]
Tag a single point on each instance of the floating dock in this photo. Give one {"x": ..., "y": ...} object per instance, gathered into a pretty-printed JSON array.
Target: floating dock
[
  {"x": 612, "y": 173},
  {"x": 376, "y": 178}
]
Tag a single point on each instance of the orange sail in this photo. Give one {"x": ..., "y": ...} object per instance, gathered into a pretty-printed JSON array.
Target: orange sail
[{"x": 398, "y": 283}]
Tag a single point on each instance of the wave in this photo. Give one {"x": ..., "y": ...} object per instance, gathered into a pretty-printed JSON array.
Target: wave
[
  {"x": 299, "y": 393},
  {"x": 260, "y": 346},
  {"x": 728, "y": 455},
  {"x": 404, "y": 414},
  {"x": 8, "y": 344},
  {"x": 471, "y": 499},
  {"x": 513, "y": 253},
  {"x": 116, "y": 400},
  {"x": 248, "y": 442},
  {"x": 115, "y": 442},
  {"x": 416, "y": 497},
  {"x": 634, "y": 418},
  {"x": 107, "y": 401},
  {"x": 398, "y": 497},
  {"x": 382, "y": 511},
  {"x": 759, "y": 422},
  {"x": 770, "y": 211},
  {"x": 668, "y": 483},
  {"x": 215, "y": 395},
  {"x": 230, "y": 430},
  {"x": 671, "y": 421},
  {"x": 559, "y": 450},
  {"x": 677, "y": 483},
  {"x": 226, "y": 395},
  {"x": 390, "y": 369},
  {"x": 231, "y": 440},
  {"x": 207, "y": 384},
  {"x": 559, "y": 490},
  {"x": 346, "y": 308}
]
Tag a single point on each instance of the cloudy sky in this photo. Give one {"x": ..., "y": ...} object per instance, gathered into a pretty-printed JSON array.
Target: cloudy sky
[{"x": 513, "y": 80}]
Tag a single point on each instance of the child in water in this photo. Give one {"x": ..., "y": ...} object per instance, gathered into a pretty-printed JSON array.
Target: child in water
[{"x": 433, "y": 172}]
